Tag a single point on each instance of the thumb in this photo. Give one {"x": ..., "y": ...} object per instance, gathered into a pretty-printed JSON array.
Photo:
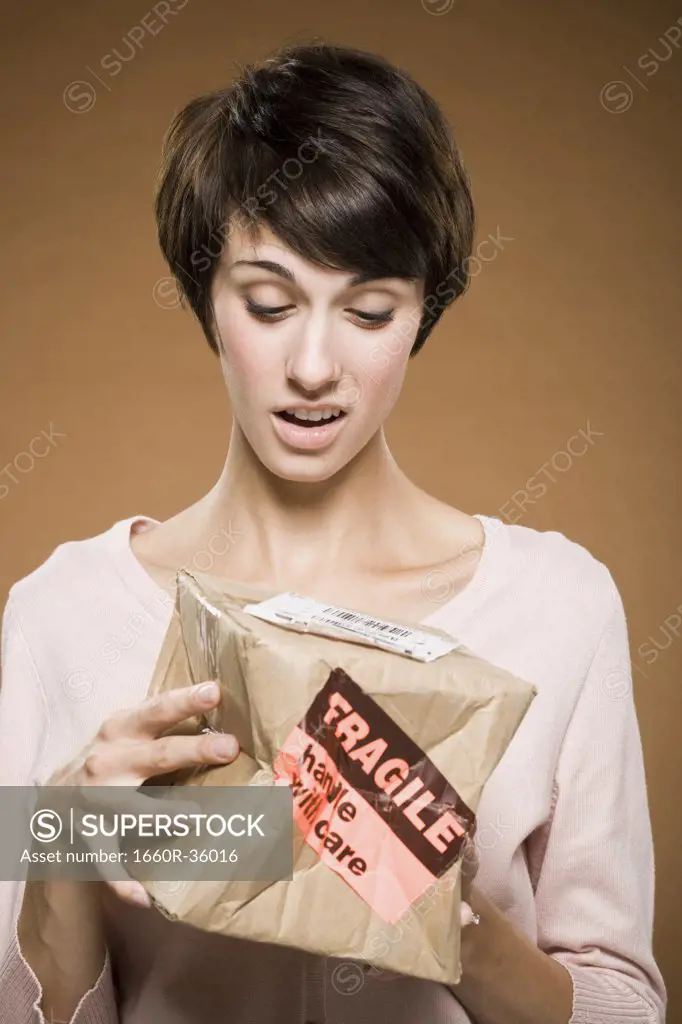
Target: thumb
[{"x": 466, "y": 914}]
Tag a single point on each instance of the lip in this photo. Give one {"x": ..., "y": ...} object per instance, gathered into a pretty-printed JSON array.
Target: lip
[
  {"x": 308, "y": 438},
  {"x": 296, "y": 406}
]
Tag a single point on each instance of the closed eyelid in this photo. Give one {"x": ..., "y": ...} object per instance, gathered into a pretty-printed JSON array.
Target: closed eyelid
[
  {"x": 274, "y": 308},
  {"x": 371, "y": 320}
]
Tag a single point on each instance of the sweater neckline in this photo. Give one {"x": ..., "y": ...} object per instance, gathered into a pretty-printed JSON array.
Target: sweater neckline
[{"x": 447, "y": 614}]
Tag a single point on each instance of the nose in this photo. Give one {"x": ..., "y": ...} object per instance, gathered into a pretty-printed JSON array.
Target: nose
[{"x": 312, "y": 364}]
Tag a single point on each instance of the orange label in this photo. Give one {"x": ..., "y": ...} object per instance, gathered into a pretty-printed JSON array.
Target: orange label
[{"x": 369, "y": 801}]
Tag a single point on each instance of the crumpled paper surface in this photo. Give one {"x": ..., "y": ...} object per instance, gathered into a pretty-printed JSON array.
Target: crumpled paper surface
[{"x": 460, "y": 711}]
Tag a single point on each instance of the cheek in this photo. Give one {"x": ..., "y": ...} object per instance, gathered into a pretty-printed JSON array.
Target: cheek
[
  {"x": 381, "y": 370},
  {"x": 247, "y": 360}
]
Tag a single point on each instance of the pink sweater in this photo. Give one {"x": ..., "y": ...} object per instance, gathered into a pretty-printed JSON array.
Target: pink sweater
[{"x": 564, "y": 832}]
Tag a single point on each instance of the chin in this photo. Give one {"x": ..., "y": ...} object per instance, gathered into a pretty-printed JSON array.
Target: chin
[{"x": 305, "y": 469}]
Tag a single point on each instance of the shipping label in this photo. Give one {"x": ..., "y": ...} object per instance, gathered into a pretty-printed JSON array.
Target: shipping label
[{"x": 369, "y": 801}]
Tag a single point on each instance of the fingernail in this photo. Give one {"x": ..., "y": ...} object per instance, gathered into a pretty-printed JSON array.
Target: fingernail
[
  {"x": 224, "y": 746},
  {"x": 466, "y": 914},
  {"x": 208, "y": 692}
]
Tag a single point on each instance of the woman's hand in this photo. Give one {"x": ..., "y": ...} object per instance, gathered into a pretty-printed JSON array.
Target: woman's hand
[
  {"x": 128, "y": 749},
  {"x": 470, "y": 865}
]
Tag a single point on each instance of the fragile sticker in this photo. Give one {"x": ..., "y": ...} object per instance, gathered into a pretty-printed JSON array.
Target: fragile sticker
[{"x": 368, "y": 800}]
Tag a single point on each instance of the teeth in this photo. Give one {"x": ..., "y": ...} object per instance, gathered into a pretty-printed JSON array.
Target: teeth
[{"x": 314, "y": 414}]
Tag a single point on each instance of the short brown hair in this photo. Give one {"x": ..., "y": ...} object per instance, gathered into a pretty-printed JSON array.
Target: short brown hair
[{"x": 385, "y": 192}]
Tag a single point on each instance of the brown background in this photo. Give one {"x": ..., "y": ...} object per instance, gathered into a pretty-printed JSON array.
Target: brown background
[{"x": 575, "y": 322}]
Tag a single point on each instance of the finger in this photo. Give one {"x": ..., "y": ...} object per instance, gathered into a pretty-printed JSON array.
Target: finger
[
  {"x": 161, "y": 712},
  {"x": 169, "y": 753},
  {"x": 131, "y": 892},
  {"x": 466, "y": 914},
  {"x": 107, "y": 798},
  {"x": 109, "y": 845},
  {"x": 104, "y": 846},
  {"x": 382, "y": 975}
]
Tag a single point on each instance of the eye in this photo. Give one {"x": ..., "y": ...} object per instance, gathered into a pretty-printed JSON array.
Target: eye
[
  {"x": 371, "y": 321},
  {"x": 269, "y": 314},
  {"x": 272, "y": 314}
]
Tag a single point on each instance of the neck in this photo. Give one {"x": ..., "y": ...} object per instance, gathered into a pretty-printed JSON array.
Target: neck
[{"x": 296, "y": 528}]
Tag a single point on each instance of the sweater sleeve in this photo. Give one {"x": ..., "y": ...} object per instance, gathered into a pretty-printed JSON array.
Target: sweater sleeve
[
  {"x": 24, "y": 731},
  {"x": 595, "y": 888}
]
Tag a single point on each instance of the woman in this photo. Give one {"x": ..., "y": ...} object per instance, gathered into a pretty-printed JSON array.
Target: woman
[{"x": 318, "y": 220}]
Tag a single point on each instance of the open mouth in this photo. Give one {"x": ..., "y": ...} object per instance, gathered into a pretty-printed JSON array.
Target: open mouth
[{"x": 300, "y": 421}]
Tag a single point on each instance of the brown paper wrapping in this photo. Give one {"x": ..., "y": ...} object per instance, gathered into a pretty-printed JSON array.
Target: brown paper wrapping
[{"x": 460, "y": 710}]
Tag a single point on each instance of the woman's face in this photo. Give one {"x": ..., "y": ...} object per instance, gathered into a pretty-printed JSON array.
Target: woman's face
[{"x": 295, "y": 336}]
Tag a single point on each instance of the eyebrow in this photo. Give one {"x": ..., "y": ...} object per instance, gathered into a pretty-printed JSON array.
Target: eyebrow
[{"x": 282, "y": 271}]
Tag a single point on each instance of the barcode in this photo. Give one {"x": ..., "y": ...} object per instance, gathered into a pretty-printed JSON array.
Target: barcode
[
  {"x": 384, "y": 627},
  {"x": 294, "y": 611}
]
